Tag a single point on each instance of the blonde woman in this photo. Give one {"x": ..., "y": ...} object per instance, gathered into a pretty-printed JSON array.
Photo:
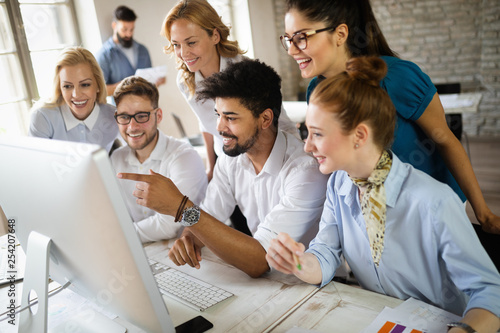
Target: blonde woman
[{"x": 77, "y": 110}]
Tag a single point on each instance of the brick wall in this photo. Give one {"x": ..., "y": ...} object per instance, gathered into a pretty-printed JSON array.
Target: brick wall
[{"x": 451, "y": 40}]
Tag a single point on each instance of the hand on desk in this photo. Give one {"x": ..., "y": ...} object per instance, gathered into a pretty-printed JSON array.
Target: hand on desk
[
  {"x": 186, "y": 250},
  {"x": 155, "y": 192}
]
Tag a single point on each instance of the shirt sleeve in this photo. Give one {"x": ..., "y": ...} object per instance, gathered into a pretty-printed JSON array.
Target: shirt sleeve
[
  {"x": 410, "y": 89},
  {"x": 219, "y": 200},
  {"x": 187, "y": 172},
  {"x": 468, "y": 264},
  {"x": 300, "y": 206},
  {"x": 326, "y": 245},
  {"x": 40, "y": 125}
]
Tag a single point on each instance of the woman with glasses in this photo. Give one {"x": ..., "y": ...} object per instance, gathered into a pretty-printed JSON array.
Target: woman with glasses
[
  {"x": 199, "y": 39},
  {"x": 77, "y": 110},
  {"x": 321, "y": 35},
  {"x": 403, "y": 233}
]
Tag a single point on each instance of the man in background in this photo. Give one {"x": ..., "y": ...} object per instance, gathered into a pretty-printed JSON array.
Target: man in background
[{"x": 120, "y": 56}]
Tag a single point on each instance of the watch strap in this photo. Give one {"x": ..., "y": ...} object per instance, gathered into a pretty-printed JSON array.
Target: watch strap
[{"x": 461, "y": 325}]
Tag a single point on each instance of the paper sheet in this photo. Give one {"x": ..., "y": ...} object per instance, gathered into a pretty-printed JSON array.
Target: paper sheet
[
  {"x": 152, "y": 74},
  {"x": 412, "y": 316}
]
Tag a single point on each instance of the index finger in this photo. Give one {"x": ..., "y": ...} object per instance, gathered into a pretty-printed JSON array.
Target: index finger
[{"x": 135, "y": 176}]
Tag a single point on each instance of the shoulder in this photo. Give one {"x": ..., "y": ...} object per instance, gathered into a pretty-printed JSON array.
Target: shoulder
[
  {"x": 420, "y": 188},
  {"x": 295, "y": 156},
  {"x": 106, "y": 47},
  {"x": 119, "y": 155},
  {"x": 141, "y": 46},
  {"x": 45, "y": 112},
  {"x": 403, "y": 72},
  {"x": 409, "y": 88}
]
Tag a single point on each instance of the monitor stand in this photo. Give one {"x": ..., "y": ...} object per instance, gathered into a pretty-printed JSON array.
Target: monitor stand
[{"x": 36, "y": 279}]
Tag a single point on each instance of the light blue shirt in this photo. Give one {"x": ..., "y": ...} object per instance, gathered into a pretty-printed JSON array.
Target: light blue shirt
[
  {"x": 114, "y": 63},
  {"x": 59, "y": 124},
  {"x": 431, "y": 251}
]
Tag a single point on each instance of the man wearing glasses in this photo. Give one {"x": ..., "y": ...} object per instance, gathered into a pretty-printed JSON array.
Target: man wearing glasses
[{"x": 138, "y": 115}]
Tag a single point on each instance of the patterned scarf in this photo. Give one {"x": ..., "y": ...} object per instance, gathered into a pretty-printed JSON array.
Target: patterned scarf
[{"x": 373, "y": 204}]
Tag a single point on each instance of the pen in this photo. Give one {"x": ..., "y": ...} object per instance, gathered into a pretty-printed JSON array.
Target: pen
[
  {"x": 297, "y": 262},
  {"x": 295, "y": 258}
]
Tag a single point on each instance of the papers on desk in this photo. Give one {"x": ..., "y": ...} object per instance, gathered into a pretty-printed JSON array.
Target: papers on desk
[
  {"x": 152, "y": 74},
  {"x": 412, "y": 316}
]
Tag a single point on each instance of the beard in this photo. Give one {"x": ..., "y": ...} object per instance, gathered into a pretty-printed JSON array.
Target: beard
[
  {"x": 239, "y": 149},
  {"x": 126, "y": 43}
]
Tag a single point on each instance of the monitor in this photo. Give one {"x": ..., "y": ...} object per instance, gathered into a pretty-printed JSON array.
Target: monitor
[{"x": 67, "y": 206}]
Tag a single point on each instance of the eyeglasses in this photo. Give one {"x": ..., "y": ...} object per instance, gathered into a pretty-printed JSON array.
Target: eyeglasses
[
  {"x": 140, "y": 117},
  {"x": 299, "y": 39}
]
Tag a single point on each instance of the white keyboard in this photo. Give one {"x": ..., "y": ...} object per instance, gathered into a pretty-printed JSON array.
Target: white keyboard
[{"x": 186, "y": 289}]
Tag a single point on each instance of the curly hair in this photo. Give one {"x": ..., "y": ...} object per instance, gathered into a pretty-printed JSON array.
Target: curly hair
[{"x": 256, "y": 85}]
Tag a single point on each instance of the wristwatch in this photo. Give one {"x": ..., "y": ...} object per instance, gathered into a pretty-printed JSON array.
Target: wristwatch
[
  {"x": 463, "y": 326},
  {"x": 190, "y": 216}
]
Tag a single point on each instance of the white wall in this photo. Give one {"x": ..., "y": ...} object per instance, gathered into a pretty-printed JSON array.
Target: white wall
[{"x": 150, "y": 15}]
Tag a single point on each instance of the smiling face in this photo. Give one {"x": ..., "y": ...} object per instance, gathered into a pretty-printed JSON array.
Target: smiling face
[
  {"x": 325, "y": 53},
  {"x": 332, "y": 148},
  {"x": 141, "y": 137},
  {"x": 237, "y": 125},
  {"x": 78, "y": 89},
  {"x": 195, "y": 47}
]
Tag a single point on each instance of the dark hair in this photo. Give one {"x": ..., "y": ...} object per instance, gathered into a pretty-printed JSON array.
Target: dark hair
[
  {"x": 255, "y": 84},
  {"x": 355, "y": 96},
  {"x": 199, "y": 12},
  {"x": 365, "y": 36},
  {"x": 137, "y": 86},
  {"x": 123, "y": 13}
]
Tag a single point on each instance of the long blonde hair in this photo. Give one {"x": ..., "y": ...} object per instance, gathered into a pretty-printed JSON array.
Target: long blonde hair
[
  {"x": 72, "y": 56},
  {"x": 203, "y": 14}
]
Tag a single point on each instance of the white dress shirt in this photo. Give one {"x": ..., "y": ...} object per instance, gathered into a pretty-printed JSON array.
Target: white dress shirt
[
  {"x": 173, "y": 159},
  {"x": 60, "y": 124},
  {"x": 205, "y": 110},
  {"x": 286, "y": 196},
  {"x": 431, "y": 251}
]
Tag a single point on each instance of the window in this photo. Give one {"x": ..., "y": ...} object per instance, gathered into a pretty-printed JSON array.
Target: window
[
  {"x": 235, "y": 14},
  {"x": 32, "y": 34}
]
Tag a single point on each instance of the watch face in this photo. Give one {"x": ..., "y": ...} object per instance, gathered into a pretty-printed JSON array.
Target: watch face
[{"x": 190, "y": 216}]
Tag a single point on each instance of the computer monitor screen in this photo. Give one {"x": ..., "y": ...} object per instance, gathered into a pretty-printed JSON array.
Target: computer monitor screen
[{"x": 68, "y": 192}]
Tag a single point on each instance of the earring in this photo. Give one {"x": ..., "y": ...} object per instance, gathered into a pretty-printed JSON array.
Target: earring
[{"x": 356, "y": 146}]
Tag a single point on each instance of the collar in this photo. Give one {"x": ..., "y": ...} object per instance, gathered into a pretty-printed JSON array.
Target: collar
[
  {"x": 156, "y": 155},
  {"x": 275, "y": 160},
  {"x": 70, "y": 121},
  {"x": 393, "y": 183}
]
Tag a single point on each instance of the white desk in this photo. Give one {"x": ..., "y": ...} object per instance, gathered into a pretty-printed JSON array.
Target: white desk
[{"x": 272, "y": 303}]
